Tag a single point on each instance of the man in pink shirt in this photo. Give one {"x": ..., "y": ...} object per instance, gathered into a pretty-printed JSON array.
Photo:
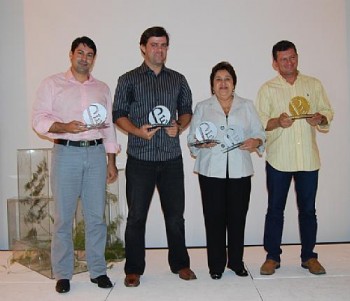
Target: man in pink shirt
[{"x": 74, "y": 110}]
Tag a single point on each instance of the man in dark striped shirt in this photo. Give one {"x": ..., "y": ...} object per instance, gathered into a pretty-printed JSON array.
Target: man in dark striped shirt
[{"x": 153, "y": 104}]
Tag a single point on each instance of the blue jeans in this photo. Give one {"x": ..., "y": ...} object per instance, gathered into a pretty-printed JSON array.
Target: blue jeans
[
  {"x": 78, "y": 172},
  {"x": 278, "y": 184},
  {"x": 141, "y": 179}
]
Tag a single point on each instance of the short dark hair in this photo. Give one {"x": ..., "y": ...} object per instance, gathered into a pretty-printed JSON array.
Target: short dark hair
[
  {"x": 282, "y": 46},
  {"x": 222, "y": 66},
  {"x": 155, "y": 31},
  {"x": 85, "y": 41}
]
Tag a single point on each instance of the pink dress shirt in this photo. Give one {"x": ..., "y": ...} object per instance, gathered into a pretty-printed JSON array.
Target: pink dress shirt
[{"x": 61, "y": 98}]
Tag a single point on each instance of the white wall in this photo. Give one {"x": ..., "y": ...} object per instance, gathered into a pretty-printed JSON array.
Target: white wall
[
  {"x": 14, "y": 103},
  {"x": 36, "y": 37}
]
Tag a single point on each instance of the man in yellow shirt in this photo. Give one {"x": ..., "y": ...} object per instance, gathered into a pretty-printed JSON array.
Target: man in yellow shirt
[{"x": 292, "y": 106}]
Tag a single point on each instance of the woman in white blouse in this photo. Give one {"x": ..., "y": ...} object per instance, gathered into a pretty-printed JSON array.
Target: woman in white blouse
[{"x": 224, "y": 131}]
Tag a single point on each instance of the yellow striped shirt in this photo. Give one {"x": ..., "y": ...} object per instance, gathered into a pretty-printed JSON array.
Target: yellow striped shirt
[{"x": 293, "y": 148}]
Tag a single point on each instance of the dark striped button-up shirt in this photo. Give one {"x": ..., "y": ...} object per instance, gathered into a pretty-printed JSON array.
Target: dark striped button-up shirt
[{"x": 137, "y": 93}]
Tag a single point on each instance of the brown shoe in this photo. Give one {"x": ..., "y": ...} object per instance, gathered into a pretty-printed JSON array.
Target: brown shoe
[
  {"x": 132, "y": 280},
  {"x": 269, "y": 267},
  {"x": 314, "y": 266},
  {"x": 187, "y": 274}
]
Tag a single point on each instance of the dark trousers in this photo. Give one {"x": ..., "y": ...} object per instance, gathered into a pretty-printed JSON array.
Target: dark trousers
[
  {"x": 141, "y": 179},
  {"x": 278, "y": 184},
  {"x": 225, "y": 207}
]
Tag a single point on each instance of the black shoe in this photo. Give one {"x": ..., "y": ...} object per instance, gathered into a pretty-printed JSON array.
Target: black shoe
[
  {"x": 241, "y": 272},
  {"x": 62, "y": 286},
  {"x": 102, "y": 281},
  {"x": 215, "y": 276}
]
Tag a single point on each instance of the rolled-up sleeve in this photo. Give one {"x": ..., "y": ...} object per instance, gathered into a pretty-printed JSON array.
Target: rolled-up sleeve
[
  {"x": 121, "y": 104},
  {"x": 110, "y": 136},
  {"x": 42, "y": 113},
  {"x": 185, "y": 98},
  {"x": 262, "y": 106}
]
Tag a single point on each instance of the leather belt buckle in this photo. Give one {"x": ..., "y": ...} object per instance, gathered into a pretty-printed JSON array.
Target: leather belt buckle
[{"x": 84, "y": 143}]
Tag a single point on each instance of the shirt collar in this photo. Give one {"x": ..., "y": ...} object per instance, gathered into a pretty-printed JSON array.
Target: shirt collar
[
  {"x": 145, "y": 69},
  {"x": 69, "y": 76},
  {"x": 284, "y": 80}
]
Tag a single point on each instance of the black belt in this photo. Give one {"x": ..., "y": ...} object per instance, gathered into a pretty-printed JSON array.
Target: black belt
[{"x": 82, "y": 143}]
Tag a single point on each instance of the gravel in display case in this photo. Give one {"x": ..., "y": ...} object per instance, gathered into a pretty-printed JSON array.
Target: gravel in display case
[{"x": 31, "y": 217}]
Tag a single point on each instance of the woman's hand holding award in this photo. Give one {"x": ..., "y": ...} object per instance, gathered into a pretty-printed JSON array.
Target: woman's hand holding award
[{"x": 205, "y": 135}]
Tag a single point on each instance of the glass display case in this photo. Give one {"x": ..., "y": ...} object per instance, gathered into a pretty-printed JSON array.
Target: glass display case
[{"x": 31, "y": 217}]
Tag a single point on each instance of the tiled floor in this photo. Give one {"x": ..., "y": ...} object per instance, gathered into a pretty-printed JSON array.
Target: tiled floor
[{"x": 290, "y": 282}]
